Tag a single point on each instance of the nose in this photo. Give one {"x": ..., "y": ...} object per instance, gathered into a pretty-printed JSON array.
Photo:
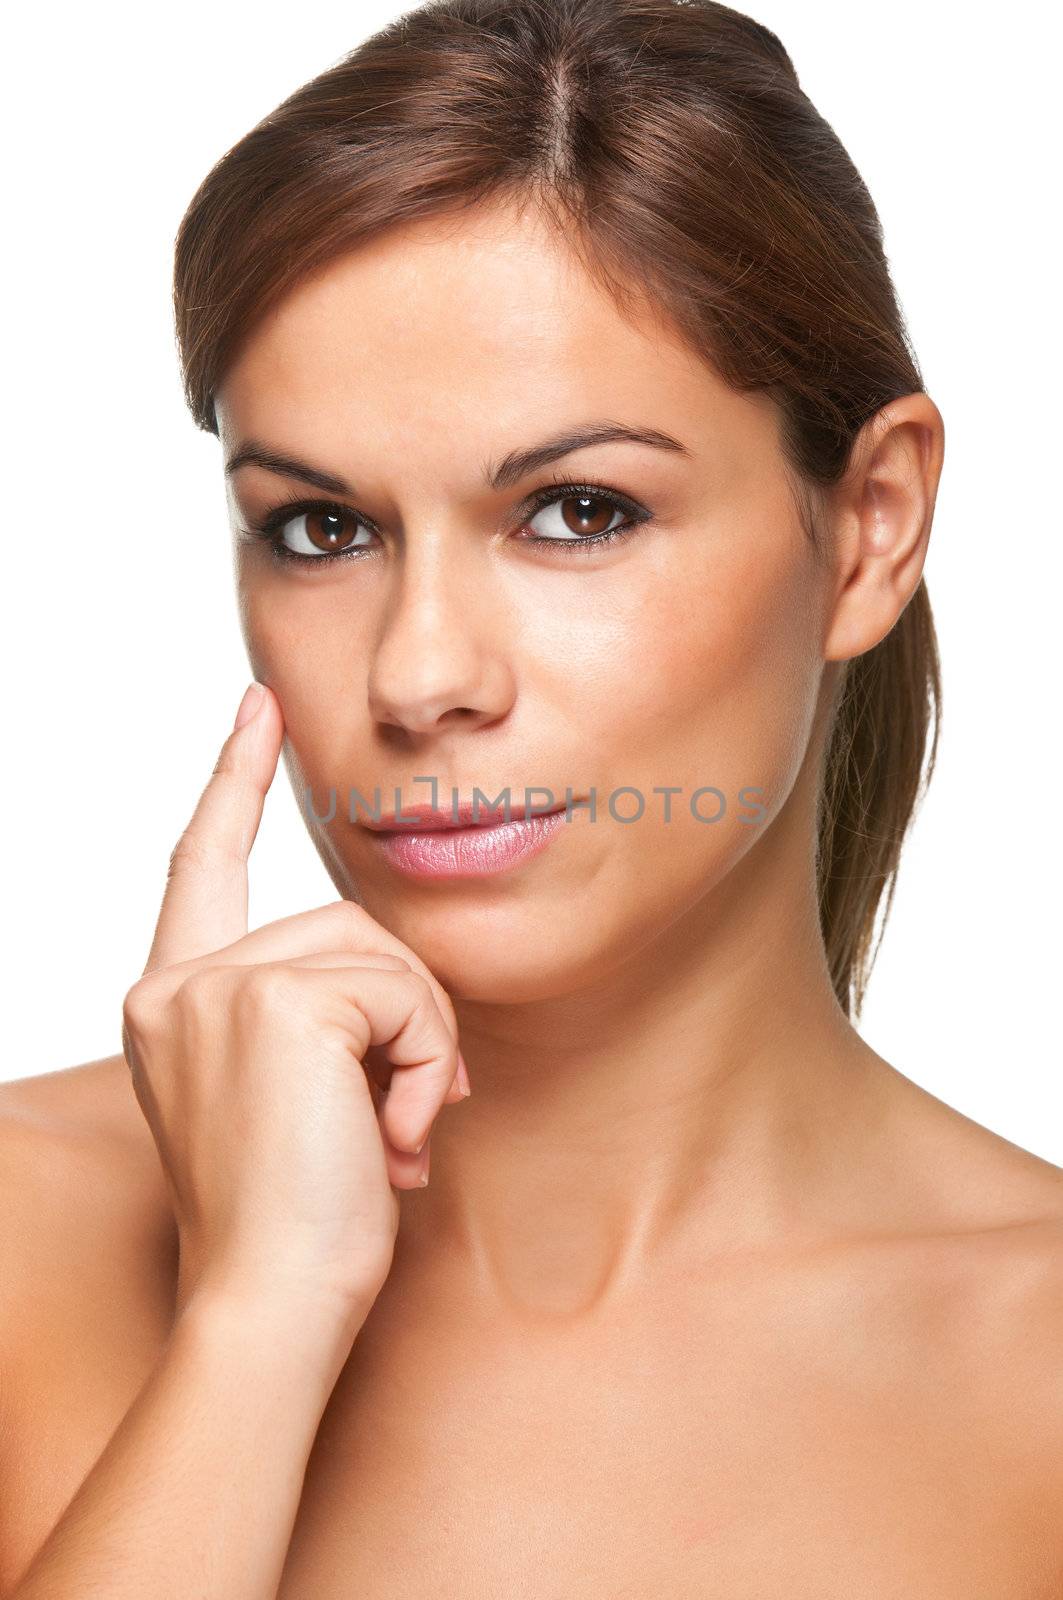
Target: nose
[{"x": 439, "y": 660}]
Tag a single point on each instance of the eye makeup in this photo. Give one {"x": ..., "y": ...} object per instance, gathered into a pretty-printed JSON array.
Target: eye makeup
[{"x": 270, "y": 529}]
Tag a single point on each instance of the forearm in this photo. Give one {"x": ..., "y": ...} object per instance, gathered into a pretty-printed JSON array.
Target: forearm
[{"x": 197, "y": 1490}]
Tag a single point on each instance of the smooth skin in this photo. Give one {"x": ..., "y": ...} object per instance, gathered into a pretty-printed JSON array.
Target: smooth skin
[
  {"x": 246, "y": 1055},
  {"x": 703, "y": 1296}
]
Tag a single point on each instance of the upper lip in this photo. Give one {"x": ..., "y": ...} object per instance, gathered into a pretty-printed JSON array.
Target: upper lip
[{"x": 425, "y": 818}]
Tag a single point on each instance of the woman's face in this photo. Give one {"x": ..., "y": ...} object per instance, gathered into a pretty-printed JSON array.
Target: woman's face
[{"x": 685, "y": 654}]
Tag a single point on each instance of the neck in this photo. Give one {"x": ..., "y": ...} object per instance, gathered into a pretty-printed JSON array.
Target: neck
[{"x": 707, "y": 1094}]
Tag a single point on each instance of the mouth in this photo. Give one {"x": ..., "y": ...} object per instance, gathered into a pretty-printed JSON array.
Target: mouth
[
  {"x": 466, "y": 814},
  {"x": 429, "y": 843}
]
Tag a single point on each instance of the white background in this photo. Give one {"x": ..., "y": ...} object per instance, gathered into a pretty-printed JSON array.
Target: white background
[{"x": 123, "y": 664}]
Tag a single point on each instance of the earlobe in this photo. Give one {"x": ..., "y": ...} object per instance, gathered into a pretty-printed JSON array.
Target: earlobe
[{"x": 883, "y": 511}]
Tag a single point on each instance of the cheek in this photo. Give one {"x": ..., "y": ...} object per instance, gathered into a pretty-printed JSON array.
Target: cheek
[
  {"x": 296, "y": 646},
  {"x": 720, "y": 693},
  {"x": 737, "y": 677},
  {"x": 710, "y": 682},
  {"x": 696, "y": 676}
]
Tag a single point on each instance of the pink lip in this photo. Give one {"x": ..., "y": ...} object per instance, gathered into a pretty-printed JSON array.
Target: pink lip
[
  {"x": 420, "y": 818},
  {"x": 457, "y": 852}
]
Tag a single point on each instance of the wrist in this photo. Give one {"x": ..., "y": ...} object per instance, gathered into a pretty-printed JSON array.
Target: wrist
[{"x": 309, "y": 1335}]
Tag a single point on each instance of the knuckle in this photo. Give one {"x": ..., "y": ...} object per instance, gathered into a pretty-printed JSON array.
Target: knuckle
[
  {"x": 140, "y": 1006},
  {"x": 187, "y": 852},
  {"x": 143, "y": 1026},
  {"x": 351, "y": 919},
  {"x": 198, "y": 991},
  {"x": 353, "y": 924},
  {"x": 195, "y": 852},
  {"x": 420, "y": 989},
  {"x": 265, "y": 987},
  {"x": 133, "y": 1005}
]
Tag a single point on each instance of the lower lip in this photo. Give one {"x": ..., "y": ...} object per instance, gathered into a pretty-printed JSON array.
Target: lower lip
[{"x": 468, "y": 852}]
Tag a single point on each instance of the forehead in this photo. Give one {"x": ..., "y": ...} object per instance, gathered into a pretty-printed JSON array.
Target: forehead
[{"x": 466, "y": 330}]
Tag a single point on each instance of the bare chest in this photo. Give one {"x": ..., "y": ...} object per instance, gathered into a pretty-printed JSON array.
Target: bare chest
[
  {"x": 829, "y": 1446},
  {"x": 731, "y": 1463}
]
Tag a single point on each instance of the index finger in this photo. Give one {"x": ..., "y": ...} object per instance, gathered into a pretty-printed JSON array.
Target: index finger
[
  {"x": 204, "y": 905},
  {"x": 339, "y": 925}
]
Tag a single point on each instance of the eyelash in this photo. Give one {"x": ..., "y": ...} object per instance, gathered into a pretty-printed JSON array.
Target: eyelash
[{"x": 273, "y": 524}]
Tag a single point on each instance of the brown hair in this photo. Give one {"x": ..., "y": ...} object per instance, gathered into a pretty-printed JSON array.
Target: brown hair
[{"x": 670, "y": 143}]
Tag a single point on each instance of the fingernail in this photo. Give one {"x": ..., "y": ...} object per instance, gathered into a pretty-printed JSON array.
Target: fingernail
[
  {"x": 424, "y": 1170},
  {"x": 463, "y": 1075},
  {"x": 254, "y": 695}
]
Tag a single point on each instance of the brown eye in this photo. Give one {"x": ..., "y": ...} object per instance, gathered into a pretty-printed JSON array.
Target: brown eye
[
  {"x": 578, "y": 515},
  {"x": 585, "y": 513},
  {"x": 321, "y": 531},
  {"x": 327, "y": 530}
]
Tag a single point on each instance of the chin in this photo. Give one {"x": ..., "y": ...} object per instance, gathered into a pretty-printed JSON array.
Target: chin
[{"x": 498, "y": 954}]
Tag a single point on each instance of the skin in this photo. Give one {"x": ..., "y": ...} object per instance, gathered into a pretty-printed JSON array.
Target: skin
[{"x": 683, "y": 1190}]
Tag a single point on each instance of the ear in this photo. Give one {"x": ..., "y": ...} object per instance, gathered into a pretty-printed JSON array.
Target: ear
[{"x": 880, "y": 515}]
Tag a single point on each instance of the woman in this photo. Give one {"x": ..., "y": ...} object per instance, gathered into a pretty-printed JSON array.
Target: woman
[{"x": 579, "y": 469}]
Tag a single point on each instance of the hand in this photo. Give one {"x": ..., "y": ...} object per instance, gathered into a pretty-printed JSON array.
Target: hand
[{"x": 288, "y": 1075}]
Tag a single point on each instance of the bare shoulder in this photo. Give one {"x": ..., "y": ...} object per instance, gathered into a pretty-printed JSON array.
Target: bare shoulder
[
  {"x": 82, "y": 1198},
  {"x": 1005, "y": 1297},
  {"x": 87, "y": 1264},
  {"x": 76, "y": 1132},
  {"x": 984, "y": 1229},
  {"x": 956, "y": 1174},
  {"x": 97, "y": 1094}
]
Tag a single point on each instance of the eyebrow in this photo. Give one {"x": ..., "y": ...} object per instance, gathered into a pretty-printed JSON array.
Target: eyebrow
[{"x": 511, "y": 469}]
